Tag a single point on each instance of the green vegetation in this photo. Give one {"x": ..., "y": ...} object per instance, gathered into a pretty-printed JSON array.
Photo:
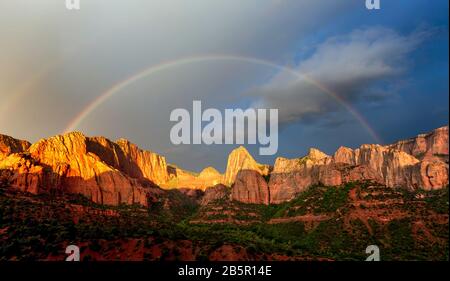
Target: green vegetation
[
  {"x": 36, "y": 227},
  {"x": 437, "y": 200},
  {"x": 316, "y": 200}
]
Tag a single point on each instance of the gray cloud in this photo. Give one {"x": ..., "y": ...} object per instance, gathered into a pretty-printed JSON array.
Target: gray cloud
[{"x": 350, "y": 66}]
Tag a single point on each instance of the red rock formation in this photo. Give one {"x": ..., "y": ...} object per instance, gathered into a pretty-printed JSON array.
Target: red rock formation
[
  {"x": 359, "y": 173},
  {"x": 194, "y": 194},
  {"x": 179, "y": 178},
  {"x": 209, "y": 177},
  {"x": 217, "y": 192},
  {"x": 24, "y": 173},
  {"x": 64, "y": 164},
  {"x": 114, "y": 173},
  {"x": 250, "y": 187},
  {"x": 129, "y": 159},
  {"x": 389, "y": 165},
  {"x": 209, "y": 172},
  {"x": 425, "y": 145},
  {"x": 151, "y": 165},
  {"x": 239, "y": 159},
  {"x": 291, "y": 176},
  {"x": 433, "y": 174},
  {"x": 10, "y": 145},
  {"x": 344, "y": 155}
]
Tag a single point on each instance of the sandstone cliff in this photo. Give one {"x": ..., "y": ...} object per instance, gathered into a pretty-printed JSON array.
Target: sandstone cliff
[
  {"x": 217, "y": 192},
  {"x": 130, "y": 159},
  {"x": 250, "y": 187},
  {"x": 10, "y": 145},
  {"x": 431, "y": 144},
  {"x": 240, "y": 159},
  {"x": 291, "y": 176},
  {"x": 179, "y": 178},
  {"x": 392, "y": 165},
  {"x": 65, "y": 164},
  {"x": 119, "y": 172}
]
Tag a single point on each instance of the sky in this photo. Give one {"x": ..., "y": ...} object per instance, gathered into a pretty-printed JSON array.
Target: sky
[{"x": 368, "y": 76}]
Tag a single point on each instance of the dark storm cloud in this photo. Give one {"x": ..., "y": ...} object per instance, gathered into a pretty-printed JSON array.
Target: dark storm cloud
[{"x": 351, "y": 66}]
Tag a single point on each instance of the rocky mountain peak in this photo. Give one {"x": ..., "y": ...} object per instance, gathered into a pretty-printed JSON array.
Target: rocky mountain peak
[
  {"x": 10, "y": 145},
  {"x": 209, "y": 171},
  {"x": 120, "y": 172},
  {"x": 315, "y": 154},
  {"x": 240, "y": 159}
]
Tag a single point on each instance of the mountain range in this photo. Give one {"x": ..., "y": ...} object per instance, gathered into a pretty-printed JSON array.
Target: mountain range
[
  {"x": 108, "y": 172},
  {"x": 118, "y": 202}
]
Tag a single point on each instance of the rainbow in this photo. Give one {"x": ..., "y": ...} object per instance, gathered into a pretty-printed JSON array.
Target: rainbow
[
  {"x": 24, "y": 88},
  {"x": 28, "y": 85},
  {"x": 116, "y": 88}
]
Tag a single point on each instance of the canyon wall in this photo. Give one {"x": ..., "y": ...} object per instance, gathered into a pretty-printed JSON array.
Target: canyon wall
[
  {"x": 119, "y": 172},
  {"x": 67, "y": 164},
  {"x": 392, "y": 165},
  {"x": 10, "y": 145}
]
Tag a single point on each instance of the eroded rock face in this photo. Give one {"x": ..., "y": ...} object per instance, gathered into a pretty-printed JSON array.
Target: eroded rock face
[
  {"x": 217, "y": 192},
  {"x": 194, "y": 194},
  {"x": 151, "y": 165},
  {"x": 209, "y": 172},
  {"x": 22, "y": 172},
  {"x": 250, "y": 187},
  {"x": 130, "y": 159},
  {"x": 10, "y": 145},
  {"x": 291, "y": 176},
  {"x": 119, "y": 172},
  {"x": 344, "y": 155},
  {"x": 433, "y": 174},
  {"x": 434, "y": 143},
  {"x": 179, "y": 178},
  {"x": 209, "y": 177},
  {"x": 390, "y": 165},
  {"x": 240, "y": 159},
  {"x": 64, "y": 164}
]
